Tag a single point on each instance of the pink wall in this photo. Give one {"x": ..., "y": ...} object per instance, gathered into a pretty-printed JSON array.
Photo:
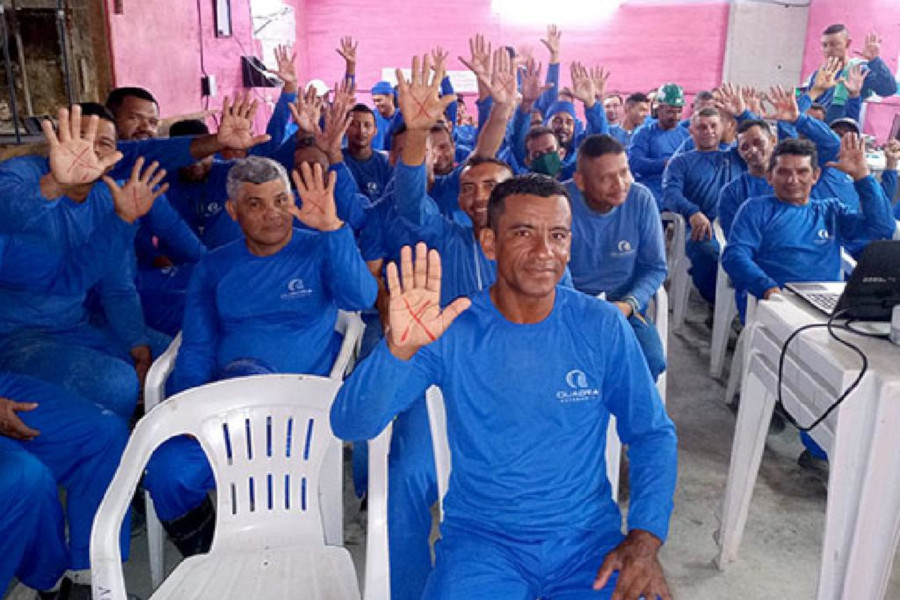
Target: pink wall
[
  {"x": 860, "y": 17},
  {"x": 642, "y": 45}
]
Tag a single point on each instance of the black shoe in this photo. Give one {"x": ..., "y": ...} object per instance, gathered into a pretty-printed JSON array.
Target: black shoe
[{"x": 192, "y": 533}]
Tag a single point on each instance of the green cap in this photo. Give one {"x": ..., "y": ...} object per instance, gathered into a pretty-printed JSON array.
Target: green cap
[{"x": 671, "y": 94}]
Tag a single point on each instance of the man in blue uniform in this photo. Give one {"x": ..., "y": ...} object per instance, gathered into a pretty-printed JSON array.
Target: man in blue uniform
[
  {"x": 637, "y": 107},
  {"x": 49, "y": 436},
  {"x": 544, "y": 525},
  {"x": 48, "y": 208},
  {"x": 385, "y": 112},
  {"x": 264, "y": 304},
  {"x": 617, "y": 240},
  {"x": 692, "y": 183},
  {"x": 370, "y": 168},
  {"x": 653, "y": 144}
]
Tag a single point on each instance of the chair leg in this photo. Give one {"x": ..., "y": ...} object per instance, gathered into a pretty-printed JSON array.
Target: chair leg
[
  {"x": 681, "y": 291},
  {"x": 156, "y": 542},
  {"x": 613, "y": 458},
  {"x": 723, "y": 315}
]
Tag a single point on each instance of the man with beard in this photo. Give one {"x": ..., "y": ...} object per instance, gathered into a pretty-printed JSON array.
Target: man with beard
[{"x": 370, "y": 168}]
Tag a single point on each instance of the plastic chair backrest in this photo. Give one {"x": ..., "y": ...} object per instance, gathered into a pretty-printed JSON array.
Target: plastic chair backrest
[
  {"x": 155, "y": 384},
  {"x": 437, "y": 422}
]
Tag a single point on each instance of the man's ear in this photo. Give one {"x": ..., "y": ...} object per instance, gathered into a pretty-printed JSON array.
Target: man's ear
[
  {"x": 578, "y": 178},
  {"x": 816, "y": 174},
  {"x": 231, "y": 207},
  {"x": 488, "y": 243}
]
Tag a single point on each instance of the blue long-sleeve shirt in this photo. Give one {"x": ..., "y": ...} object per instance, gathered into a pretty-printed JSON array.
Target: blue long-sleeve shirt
[
  {"x": 176, "y": 239},
  {"x": 170, "y": 153},
  {"x": 41, "y": 233},
  {"x": 693, "y": 181},
  {"x": 650, "y": 150},
  {"x": 528, "y": 444},
  {"x": 202, "y": 206},
  {"x": 621, "y": 252},
  {"x": 371, "y": 175},
  {"x": 280, "y": 128},
  {"x": 773, "y": 242},
  {"x": 879, "y": 81},
  {"x": 278, "y": 309},
  {"x": 735, "y": 193}
]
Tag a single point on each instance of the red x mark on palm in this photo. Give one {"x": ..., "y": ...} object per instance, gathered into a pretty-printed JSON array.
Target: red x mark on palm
[
  {"x": 79, "y": 161},
  {"x": 421, "y": 108},
  {"x": 416, "y": 317}
]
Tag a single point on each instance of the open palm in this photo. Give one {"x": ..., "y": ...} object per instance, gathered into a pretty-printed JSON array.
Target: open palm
[
  {"x": 73, "y": 160},
  {"x": 135, "y": 199},
  {"x": 419, "y": 97},
  {"x": 414, "y": 313},
  {"x": 236, "y": 130}
]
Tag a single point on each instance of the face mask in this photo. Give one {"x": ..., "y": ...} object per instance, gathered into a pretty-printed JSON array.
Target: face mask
[{"x": 547, "y": 164}]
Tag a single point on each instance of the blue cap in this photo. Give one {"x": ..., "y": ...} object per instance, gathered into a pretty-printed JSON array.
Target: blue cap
[
  {"x": 383, "y": 87},
  {"x": 561, "y": 106}
]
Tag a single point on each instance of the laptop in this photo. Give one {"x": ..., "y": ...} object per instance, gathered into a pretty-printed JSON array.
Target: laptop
[{"x": 871, "y": 292}]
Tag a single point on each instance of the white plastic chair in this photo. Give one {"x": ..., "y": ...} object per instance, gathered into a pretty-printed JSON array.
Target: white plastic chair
[
  {"x": 680, "y": 288},
  {"x": 351, "y": 327},
  {"x": 724, "y": 311},
  {"x": 897, "y": 231},
  {"x": 266, "y": 438},
  {"x": 658, "y": 312}
]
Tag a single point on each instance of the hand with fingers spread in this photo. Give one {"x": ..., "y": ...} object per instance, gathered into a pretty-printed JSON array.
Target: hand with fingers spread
[
  {"x": 852, "y": 157},
  {"x": 532, "y": 86},
  {"x": 784, "y": 105},
  {"x": 855, "y": 79},
  {"x": 552, "y": 43},
  {"x": 236, "y": 129},
  {"x": 480, "y": 61},
  {"x": 415, "y": 318},
  {"x": 583, "y": 84},
  {"x": 419, "y": 97},
  {"x": 729, "y": 98},
  {"x": 502, "y": 84},
  {"x": 10, "y": 423},
  {"x": 640, "y": 574},
  {"x": 317, "y": 208},
  {"x": 345, "y": 93},
  {"x": 753, "y": 99},
  {"x": 73, "y": 160},
  {"x": 872, "y": 47},
  {"x": 135, "y": 199},
  {"x": 599, "y": 77},
  {"x": 337, "y": 120},
  {"x": 347, "y": 49},
  {"x": 286, "y": 71},
  {"x": 307, "y": 111},
  {"x": 439, "y": 59},
  {"x": 892, "y": 155},
  {"x": 826, "y": 77}
]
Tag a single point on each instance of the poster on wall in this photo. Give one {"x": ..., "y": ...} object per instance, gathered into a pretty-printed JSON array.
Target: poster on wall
[{"x": 274, "y": 23}]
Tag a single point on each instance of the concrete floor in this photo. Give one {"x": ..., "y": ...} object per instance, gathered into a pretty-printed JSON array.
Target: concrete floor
[{"x": 779, "y": 556}]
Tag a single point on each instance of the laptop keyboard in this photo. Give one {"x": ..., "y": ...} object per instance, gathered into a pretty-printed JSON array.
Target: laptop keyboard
[{"x": 823, "y": 301}]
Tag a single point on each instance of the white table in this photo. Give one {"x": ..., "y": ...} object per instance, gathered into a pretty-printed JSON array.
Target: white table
[{"x": 862, "y": 438}]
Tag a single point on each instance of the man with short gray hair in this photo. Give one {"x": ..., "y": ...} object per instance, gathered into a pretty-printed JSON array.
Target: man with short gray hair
[{"x": 266, "y": 303}]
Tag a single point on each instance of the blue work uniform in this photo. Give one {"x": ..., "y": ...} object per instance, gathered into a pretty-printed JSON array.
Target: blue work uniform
[
  {"x": 692, "y": 183},
  {"x": 621, "y": 253},
  {"x": 248, "y": 313},
  {"x": 529, "y": 511},
  {"x": 649, "y": 152},
  {"x": 372, "y": 175},
  {"x": 79, "y": 448},
  {"x": 48, "y": 334},
  {"x": 879, "y": 81}
]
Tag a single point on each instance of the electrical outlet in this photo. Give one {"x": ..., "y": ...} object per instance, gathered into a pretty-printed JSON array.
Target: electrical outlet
[{"x": 208, "y": 85}]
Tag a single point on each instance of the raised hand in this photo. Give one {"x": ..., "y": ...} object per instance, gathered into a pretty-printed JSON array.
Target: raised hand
[
  {"x": 415, "y": 318},
  {"x": 852, "y": 157},
  {"x": 599, "y": 77},
  {"x": 871, "y": 47},
  {"x": 855, "y": 79},
  {"x": 10, "y": 423},
  {"x": 135, "y": 199},
  {"x": 892, "y": 155},
  {"x": 286, "y": 71},
  {"x": 439, "y": 58},
  {"x": 307, "y": 111},
  {"x": 480, "y": 62},
  {"x": 317, "y": 207},
  {"x": 532, "y": 87},
  {"x": 502, "y": 84},
  {"x": 784, "y": 105},
  {"x": 73, "y": 160},
  {"x": 552, "y": 43},
  {"x": 236, "y": 128},
  {"x": 337, "y": 120},
  {"x": 345, "y": 92},
  {"x": 583, "y": 85},
  {"x": 348, "y": 49},
  {"x": 729, "y": 98},
  {"x": 826, "y": 77},
  {"x": 419, "y": 97},
  {"x": 753, "y": 99}
]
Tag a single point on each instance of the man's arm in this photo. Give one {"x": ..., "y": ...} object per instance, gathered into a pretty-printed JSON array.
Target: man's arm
[
  {"x": 585, "y": 87},
  {"x": 639, "y": 155},
  {"x": 196, "y": 361},
  {"x": 738, "y": 259},
  {"x": 551, "y": 89},
  {"x": 673, "y": 188},
  {"x": 348, "y": 277},
  {"x": 650, "y": 270},
  {"x": 880, "y": 79},
  {"x": 785, "y": 108},
  {"x": 642, "y": 423}
]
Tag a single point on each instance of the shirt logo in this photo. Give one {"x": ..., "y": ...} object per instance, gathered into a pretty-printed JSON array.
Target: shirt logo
[
  {"x": 372, "y": 186},
  {"x": 822, "y": 237},
  {"x": 579, "y": 388},
  {"x": 296, "y": 289},
  {"x": 623, "y": 248}
]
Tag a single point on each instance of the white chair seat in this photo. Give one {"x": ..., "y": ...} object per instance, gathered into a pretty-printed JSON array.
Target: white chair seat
[{"x": 326, "y": 573}]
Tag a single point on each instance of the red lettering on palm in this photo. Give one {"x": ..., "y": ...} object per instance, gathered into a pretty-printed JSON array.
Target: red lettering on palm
[{"x": 416, "y": 316}]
